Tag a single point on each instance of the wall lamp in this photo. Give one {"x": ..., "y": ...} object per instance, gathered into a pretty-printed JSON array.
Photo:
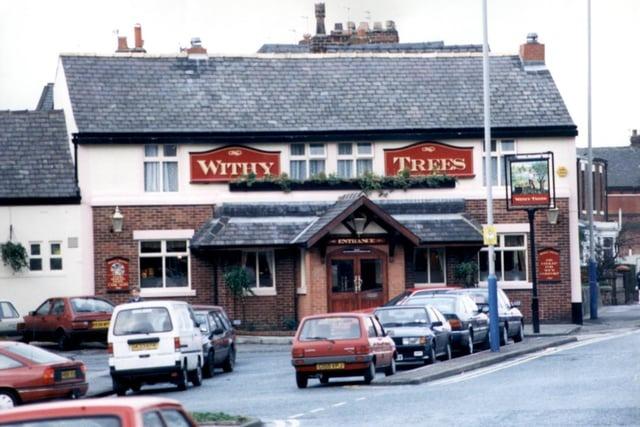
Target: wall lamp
[
  {"x": 552, "y": 215},
  {"x": 117, "y": 221}
]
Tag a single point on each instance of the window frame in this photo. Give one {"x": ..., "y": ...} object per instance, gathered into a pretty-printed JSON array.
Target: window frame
[
  {"x": 164, "y": 254},
  {"x": 500, "y": 249},
  {"x": 160, "y": 159},
  {"x": 353, "y": 158},
  {"x": 307, "y": 158},
  {"x": 55, "y": 257},
  {"x": 429, "y": 283},
  {"x": 262, "y": 290},
  {"x": 499, "y": 153},
  {"x": 40, "y": 256}
]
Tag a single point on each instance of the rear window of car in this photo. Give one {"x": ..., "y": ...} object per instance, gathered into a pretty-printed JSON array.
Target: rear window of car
[
  {"x": 91, "y": 305},
  {"x": 34, "y": 354},
  {"x": 445, "y": 305},
  {"x": 142, "y": 321},
  {"x": 402, "y": 317},
  {"x": 7, "y": 311},
  {"x": 335, "y": 328},
  {"x": 84, "y": 421}
]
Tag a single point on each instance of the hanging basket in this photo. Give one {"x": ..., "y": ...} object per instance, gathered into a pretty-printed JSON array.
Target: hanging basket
[{"x": 14, "y": 255}]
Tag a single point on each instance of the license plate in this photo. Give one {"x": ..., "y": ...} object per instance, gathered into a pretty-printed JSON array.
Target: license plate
[
  {"x": 399, "y": 357},
  {"x": 68, "y": 375},
  {"x": 326, "y": 366},
  {"x": 144, "y": 346},
  {"x": 100, "y": 324},
  {"x": 418, "y": 353}
]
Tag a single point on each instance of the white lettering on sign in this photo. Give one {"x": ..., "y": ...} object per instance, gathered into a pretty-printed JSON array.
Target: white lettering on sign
[
  {"x": 218, "y": 167},
  {"x": 429, "y": 165}
]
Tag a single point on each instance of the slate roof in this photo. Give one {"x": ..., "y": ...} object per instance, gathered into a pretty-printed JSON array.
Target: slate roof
[
  {"x": 46, "y": 98},
  {"x": 623, "y": 164},
  {"x": 35, "y": 161},
  {"x": 305, "y": 93},
  {"x": 269, "y": 224},
  {"x": 422, "y": 47}
]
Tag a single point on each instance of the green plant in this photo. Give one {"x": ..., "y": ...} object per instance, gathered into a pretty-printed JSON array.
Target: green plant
[
  {"x": 14, "y": 255},
  {"x": 218, "y": 417},
  {"x": 238, "y": 282},
  {"x": 467, "y": 273},
  {"x": 369, "y": 182},
  {"x": 290, "y": 324}
]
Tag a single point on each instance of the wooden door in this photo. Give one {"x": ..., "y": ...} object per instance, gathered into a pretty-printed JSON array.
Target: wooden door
[{"x": 356, "y": 281}]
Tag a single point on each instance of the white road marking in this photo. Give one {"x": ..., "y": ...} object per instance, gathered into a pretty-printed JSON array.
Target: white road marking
[
  {"x": 360, "y": 399},
  {"x": 335, "y": 405},
  {"x": 313, "y": 411},
  {"x": 543, "y": 353},
  {"x": 293, "y": 417}
]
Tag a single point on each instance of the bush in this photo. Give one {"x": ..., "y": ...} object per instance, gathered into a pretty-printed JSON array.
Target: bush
[{"x": 14, "y": 255}]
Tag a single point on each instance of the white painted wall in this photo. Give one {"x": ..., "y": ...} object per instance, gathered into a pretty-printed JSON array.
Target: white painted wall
[{"x": 45, "y": 224}]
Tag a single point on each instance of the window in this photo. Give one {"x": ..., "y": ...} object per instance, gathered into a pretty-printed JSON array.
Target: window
[
  {"x": 359, "y": 155},
  {"x": 44, "y": 309},
  {"x": 55, "y": 260},
  {"x": 511, "y": 259},
  {"x": 371, "y": 329},
  {"x": 260, "y": 266},
  {"x": 8, "y": 363},
  {"x": 164, "y": 264},
  {"x": 142, "y": 321},
  {"x": 7, "y": 311},
  {"x": 58, "y": 307},
  {"x": 35, "y": 257},
  {"x": 307, "y": 160},
  {"x": 160, "y": 168},
  {"x": 429, "y": 265},
  {"x": 498, "y": 151}
]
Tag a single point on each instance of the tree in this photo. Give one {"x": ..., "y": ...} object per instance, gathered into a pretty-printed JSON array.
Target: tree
[{"x": 237, "y": 280}]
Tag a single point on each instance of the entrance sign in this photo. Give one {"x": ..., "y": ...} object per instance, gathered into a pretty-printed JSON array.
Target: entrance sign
[
  {"x": 228, "y": 163},
  {"x": 549, "y": 265},
  {"x": 117, "y": 274},
  {"x": 358, "y": 241},
  {"x": 429, "y": 158},
  {"x": 530, "y": 181}
]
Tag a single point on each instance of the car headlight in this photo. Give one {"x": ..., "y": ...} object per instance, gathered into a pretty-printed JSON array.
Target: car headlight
[{"x": 414, "y": 340}]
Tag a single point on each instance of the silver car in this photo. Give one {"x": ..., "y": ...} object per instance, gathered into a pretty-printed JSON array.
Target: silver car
[{"x": 9, "y": 319}]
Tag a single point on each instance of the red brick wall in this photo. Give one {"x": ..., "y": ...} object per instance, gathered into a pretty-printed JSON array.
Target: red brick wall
[
  {"x": 554, "y": 298},
  {"x": 108, "y": 244}
]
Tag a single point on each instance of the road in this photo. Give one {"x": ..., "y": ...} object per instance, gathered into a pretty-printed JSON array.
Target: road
[{"x": 593, "y": 382}]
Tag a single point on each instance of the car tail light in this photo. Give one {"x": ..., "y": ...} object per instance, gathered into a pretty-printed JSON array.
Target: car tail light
[
  {"x": 298, "y": 352},
  {"x": 79, "y": 325},
  {"x": 363, "y": 349},
  {"x": 83, "y": 369},
  {"x": 455, "y": 324},
  {"x": 176, "y": 344},
  {"x": 110, "y": 348},
  {"x": 48, "y": 376}
]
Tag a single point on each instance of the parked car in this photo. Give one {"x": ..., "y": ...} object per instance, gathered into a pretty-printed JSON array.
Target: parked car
[
  {"x": 218, "y": 339},
  {"x": 469, "y": 325},
  {"x": 408, "y": 293},
  {"x": 29, "y": 373},
  {"x": 420, "y": 333},
  {"x": 68, "y": 321},
  {"x": 511, "y": 319},
  {"x": 152, "y": 342},
  {"x": 105, "y": 412},
  {"x": 9, "y": 319},
  {"x": 341, "y": 345}
]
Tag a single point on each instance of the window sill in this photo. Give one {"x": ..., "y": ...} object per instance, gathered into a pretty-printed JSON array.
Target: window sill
[
  {"x": 155, "y": 293},
  {"x": 509, "y": 285},
  {"x": 263, "y": 292},
  {"x": 301, "y": 291}
]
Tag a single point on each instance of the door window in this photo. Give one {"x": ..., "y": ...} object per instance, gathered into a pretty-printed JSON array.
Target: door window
[
  {"x": 371, "y": 329},
  {"x": 371, "y": 274},
  {"x": 7, "y": 311},
  {"x": 58, "y": 307},
  {"x": 378, "y": 327},
  {"x": 44, "y": 309},
  {"x": 152, "y": 419},
  {"x": 343, "y": 275},
  {"x": 175, "y": 418}
]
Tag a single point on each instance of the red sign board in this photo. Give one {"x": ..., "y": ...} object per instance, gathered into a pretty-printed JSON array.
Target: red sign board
[
  {"x": 549, "y": 265},
  {"x": 428, "y": 158},
  {"x": 357, "y": 241},
  {"x": 228, "y": 163},
  {"x": 117, "y": 274}
]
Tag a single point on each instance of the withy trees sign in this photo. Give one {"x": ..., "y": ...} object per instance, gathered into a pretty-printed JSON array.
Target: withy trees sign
[
  {"x": 530, "y": 181},
  {"x": 429, "y": 158},
  {"x": 228, "y": 163}
]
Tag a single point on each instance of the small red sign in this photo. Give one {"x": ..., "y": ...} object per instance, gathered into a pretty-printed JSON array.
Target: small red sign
[
  {"x": 428, "y": 158},
  {"x": 228, "y": 163},
  {"x": 530, "y": 199},
  {"x": 117, "y": 274},
  {"x": 549, "y": 265}
]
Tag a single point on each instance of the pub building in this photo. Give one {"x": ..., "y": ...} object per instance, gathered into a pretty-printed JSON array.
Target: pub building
[{"x": 336, "y": 180}]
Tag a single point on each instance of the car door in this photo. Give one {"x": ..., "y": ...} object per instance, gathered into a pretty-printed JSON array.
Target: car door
[
  {"x": 439, "y": 331},
  {"x": 217, "y": 338},
  {"x": 55, "y": 318},
  {"x": 479, "y": 320},
  {"x": 374, "y": 342},
  {"x": 195, "y": 336},
  {"x": 385, "y": 343},
  {"x": 35, "y": 323},
  {"x": 8, "y": 318}
]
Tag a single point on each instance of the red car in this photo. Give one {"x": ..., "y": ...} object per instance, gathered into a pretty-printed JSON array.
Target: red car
[
  {"x": 107, "y": 412},
  {"x": 408, "y": 293},
  {"x": 218, "y": 339},
  {"x": 68, "y": 321},
  {"x": 341, "y": 345},
  {"x": 29, "y": 373}
]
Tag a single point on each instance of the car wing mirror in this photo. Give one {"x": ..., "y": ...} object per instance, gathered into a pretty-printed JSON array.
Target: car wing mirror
[
  {"x": 203, "y": 328},
  {"x": 484, "y": 309},
  {"x": 218, "y": 331},
  {"x": 516, "y": 304},
  {"x": 32, "y": 313},
  {"x": 436, "y": 324}
]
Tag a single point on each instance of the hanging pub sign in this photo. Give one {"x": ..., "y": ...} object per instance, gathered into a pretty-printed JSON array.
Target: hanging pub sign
[
  {"x": 548, "y": 265},
  {"x": 530, "y": 181},
  {"x": 429, "y": 158},
  {"x": 117, "y": 274},
  {"x": 229, "y": 163}
]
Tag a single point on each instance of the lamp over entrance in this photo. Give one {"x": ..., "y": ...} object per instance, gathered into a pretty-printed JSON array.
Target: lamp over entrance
[
  {"x": 359, "y": 223},
  {"x": 117, "y": 221}
]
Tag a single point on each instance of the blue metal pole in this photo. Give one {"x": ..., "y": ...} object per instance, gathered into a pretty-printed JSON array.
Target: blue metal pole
[
  {"x": 593, "y": 289},
  {"x": 494, "y": 320}
]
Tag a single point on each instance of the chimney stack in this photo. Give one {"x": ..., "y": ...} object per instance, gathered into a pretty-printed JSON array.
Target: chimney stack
[
  {"x": 320, "y": 19},
  {"x": 635, "y": 138},
  {"x": 196, "y": 51},
  {"x": 137, "y": 31},
  {"x": 532, "y": 52},
  {"x": 122, "y": 45}
]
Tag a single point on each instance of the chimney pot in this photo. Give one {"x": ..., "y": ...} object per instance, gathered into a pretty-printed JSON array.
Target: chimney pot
[
  {"x": 137, "y": 30},
  {"x": 532, "y": 38},
  {"x": 377, "y": 26},
  {"x": 351, "y": 26},
  {"x": 320, "y": 14},
  {"x": 391, "y": 25},
  {"x": 532, "y": 52},
  {"x": 196, "y": 51},
  {"x": 635, "y": 138},
  {"x": 122, "y": 44}
]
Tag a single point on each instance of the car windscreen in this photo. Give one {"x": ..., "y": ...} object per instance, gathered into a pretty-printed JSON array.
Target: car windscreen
[
  {"x": 445, "y": 305},
  {"x": 84, "y": 421},
  {"x": 333, "y": 328},
  {"x": 90, "y": 305},
  {"x": 142, "y": 321},
  {"x": 35, "y": 354},
  {"x": 403, "y": 317}
]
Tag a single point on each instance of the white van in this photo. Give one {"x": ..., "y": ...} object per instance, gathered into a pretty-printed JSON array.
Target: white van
[{"x": 152, "y": 342}]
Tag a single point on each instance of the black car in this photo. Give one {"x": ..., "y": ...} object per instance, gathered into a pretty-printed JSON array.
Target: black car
[
  {"x": 469, "y": 325},
  {"x": 511, "y": 319},
  {"x": 218, "y": 339},
  {"x": 421, "y": 333}
]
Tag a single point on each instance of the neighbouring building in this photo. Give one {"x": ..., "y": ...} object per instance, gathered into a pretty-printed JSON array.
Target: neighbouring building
[
  {"x": 40, "y": 208},
  {"x": 296, "y": 167}
]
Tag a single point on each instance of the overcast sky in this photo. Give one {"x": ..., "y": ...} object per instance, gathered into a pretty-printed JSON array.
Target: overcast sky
[{"x": 34, "y": 32}]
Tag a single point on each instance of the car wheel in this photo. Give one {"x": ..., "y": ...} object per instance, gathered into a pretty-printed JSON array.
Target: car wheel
[
  {"x": 301, "y": 380},
  {"x": 8, "y": 399},
  {"x": 230, "y": 361},
  {"x": 135, "y": 387},
  {"x": 370, "y": 374},
  {"x": 520, "y": 336},
  {"x": 209, "y": 366},
  {"x": 119, "y": 388},
  {"x": 324, "y": 379},
  {"x": 391, "y": 369},
  {"x": 504, "y": 335},
  {"x": 183, "y": 378},
  {"x": 196, "y": 375},
  {"x": 432, "y": 355},
  {"x": 63, "y": 340},
  {"x": 469, "y": 349}
]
